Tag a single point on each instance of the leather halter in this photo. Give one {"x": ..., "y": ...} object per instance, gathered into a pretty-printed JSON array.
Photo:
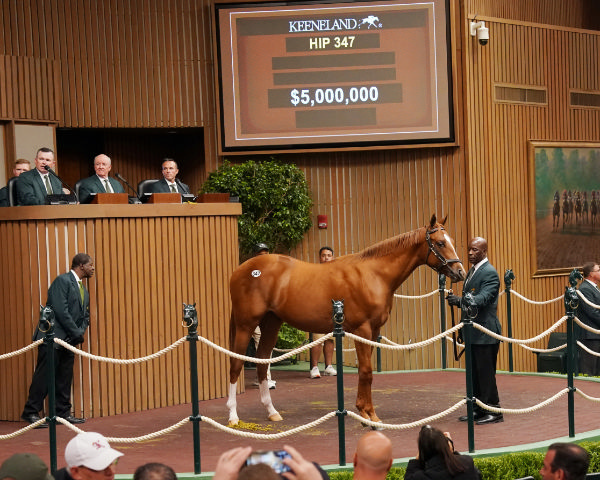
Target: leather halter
[{"x": 443, "y": 261}]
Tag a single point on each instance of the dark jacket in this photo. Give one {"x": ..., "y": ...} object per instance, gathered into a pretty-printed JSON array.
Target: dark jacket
[
  {"x": 484, "y": 286},
  {"x": 587, "y": 314},
  {"x": 163, "y": 187},
  {"x": 32, "y": 191},
  {"x": 4, "y": 197},
  {"x": 435, "y": 469},
  {"x": 93, "y": 184},
  {"x": 71, "y": 316}
]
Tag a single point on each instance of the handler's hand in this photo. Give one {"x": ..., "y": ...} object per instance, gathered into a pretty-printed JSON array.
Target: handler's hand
[
  {"x": 230, "y": 462},
  {"x": 301, "y": 469},
  {"x": 453, "y": 300}
]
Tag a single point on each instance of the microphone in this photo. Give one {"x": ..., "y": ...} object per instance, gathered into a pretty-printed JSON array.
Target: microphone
[
  {"x": 120, "y": 177},
  {"x": 53, "y": 173}
]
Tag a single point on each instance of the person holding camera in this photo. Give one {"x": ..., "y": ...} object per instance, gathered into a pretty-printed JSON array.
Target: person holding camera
[
  {"x": 479, "y": 303},
  {"x": 232, "y": 462}
]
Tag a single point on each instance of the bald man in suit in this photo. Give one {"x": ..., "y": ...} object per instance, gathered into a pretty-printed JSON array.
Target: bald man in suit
[
  {"x": 100, "y": 182},
  {"x": 34, "y": 186}
]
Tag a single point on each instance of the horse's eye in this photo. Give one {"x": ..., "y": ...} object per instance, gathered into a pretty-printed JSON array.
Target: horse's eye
[{"x": 441, "y": 244}]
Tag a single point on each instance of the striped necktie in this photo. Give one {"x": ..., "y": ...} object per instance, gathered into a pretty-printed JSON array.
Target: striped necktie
[
  {"x": 173, "y": 189},
  {"x": 48, "y": 185},
  {"x": 107, "y": 186}
]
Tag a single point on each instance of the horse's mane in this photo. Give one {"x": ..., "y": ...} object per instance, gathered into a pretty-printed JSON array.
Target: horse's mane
[{"x": 385, "y": 247}]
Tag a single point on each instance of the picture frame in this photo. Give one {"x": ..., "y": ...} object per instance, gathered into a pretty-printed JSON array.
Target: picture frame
[{"x": 567, "y": 174}]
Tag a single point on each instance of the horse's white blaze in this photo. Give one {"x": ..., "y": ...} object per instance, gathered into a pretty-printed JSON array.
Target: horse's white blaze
[
  {"x": 449, "y": 242},
  {"x": 232, "y": 403}
]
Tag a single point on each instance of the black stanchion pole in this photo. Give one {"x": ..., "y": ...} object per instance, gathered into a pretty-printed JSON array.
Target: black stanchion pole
[
  {"x": 338, "y": 333},
  {"x": 442, "y": 290},
  {"x": 190, "y": 320},
  {"x": 46, "y": 325},
  {"x": 509, "y": 276},
  {"x": 467, "y": 336},
  {"x": 571, "y": 303}
]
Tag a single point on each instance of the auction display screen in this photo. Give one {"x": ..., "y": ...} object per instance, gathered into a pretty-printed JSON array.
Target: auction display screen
[{"x": 317, "y": 75}]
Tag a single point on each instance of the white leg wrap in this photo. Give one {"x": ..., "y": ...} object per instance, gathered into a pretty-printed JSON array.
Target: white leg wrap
[
  {"x": 265, "y": 398},
  {"x": 232, "y": 404}
]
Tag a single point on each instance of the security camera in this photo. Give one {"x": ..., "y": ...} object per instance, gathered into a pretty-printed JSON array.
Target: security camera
[{"x": 479, "y": 29}]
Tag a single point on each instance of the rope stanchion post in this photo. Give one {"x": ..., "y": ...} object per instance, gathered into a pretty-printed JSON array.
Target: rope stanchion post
[
  {"x": 190, "y": 320},
  {"x": 509, "y": 276},
  {"x": 442, "y": 290},
  {"x": 571, "y": 303},
  {"x": 338, "y": 333},
  {"x": 46, "y": 325},
  {"x": 467, "y": 337}
]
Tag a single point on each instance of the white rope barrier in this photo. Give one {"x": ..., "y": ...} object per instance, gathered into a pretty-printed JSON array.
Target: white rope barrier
[
  {"x": 544, "y": 350},
  {"x": 4, "y": 356},
  {"x": 591, "y": 352},
  {"x": 523, "y": 410},
  {"x": 396, "y": 346},
  {"x": 586, "y": 327},
  {"x": 546, "y": 302},
  {"x": 120, "y": 360},
  {"x": 417, "y": 297},
  {"x": 587, "y": 397},
  {"x": 591, "y": 304},
  {"x": 516, "y": 340}
]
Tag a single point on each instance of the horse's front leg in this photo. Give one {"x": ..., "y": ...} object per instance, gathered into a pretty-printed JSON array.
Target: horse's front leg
[
  {"x": 239, "y": 343},
  {"x": 364, "y": 402}
]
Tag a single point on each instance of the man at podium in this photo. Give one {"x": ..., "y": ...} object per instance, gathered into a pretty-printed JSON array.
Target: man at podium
[
  {"x": 169, "y": 183},
  {"x": 99, "y": 183}
]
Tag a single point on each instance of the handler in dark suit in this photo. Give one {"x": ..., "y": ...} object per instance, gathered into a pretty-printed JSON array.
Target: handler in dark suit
[
  {"x": 70, "y": 302},
  {"x": 483, "y": 285},
  {"x": 33, "y": 186},
  {"x": 169, "y": 183},
  {"x": 99, "y": 183},
  {"x": 589, "y": 364}
]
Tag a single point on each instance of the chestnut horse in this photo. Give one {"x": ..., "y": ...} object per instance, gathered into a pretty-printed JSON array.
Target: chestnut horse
[{"x": 268, "y": 290}]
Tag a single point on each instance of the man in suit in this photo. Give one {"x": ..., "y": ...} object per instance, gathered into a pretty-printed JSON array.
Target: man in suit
[
  {"x": 33, "y": 186},
  {"x": 169, "y": 183},
  {"x": 480, "y": 303},
  {"x": 588, "y": 363},
  {"x": 70, "y": 302},
  {"x": 99, "y": 183},
  {"x": 21, "y": 166}
]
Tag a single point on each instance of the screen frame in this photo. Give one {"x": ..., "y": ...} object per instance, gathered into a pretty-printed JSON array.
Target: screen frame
[{"x": 448, "y": 78}]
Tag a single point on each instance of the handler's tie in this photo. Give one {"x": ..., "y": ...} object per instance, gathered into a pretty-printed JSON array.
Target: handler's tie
[
  {"x": 469, "y": 275},
  {"x": 81, "y": 292}
]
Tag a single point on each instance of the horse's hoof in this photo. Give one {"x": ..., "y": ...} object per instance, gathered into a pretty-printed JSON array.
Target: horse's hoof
[{"x": 275, "y": 417}]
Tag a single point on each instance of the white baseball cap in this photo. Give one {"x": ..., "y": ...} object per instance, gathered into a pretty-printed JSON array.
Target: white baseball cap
[{"x": 91, "y": 450}]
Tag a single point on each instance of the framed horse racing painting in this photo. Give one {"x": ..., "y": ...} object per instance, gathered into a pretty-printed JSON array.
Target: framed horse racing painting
[{"x": 565, "y": 205}]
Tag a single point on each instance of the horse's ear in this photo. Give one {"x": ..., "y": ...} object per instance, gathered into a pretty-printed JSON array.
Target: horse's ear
[
  {"x": 443, "y": 220},
  {"x": 432, "y": 222}
]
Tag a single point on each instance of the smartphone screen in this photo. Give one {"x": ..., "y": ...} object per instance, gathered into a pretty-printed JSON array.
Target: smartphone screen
[{"x": 273, "y": 458}]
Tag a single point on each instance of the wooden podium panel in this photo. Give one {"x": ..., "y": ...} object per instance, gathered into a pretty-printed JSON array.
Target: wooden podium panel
[
  {"x": 165, "y": 198},
  {"x": 110, "y": 198},
  {"x": 150, "y": 259}
]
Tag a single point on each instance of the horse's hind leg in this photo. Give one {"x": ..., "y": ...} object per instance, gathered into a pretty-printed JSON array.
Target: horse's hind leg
[{"x": 269, "y": 329}]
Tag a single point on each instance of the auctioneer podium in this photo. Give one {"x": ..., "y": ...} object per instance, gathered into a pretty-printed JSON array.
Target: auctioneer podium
[{"x": 150, "y": 259}]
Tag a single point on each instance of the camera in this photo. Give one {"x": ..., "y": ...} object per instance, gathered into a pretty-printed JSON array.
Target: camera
[
  {"x": 481, "y": 31},
  {"x": 273, "y": 458}
]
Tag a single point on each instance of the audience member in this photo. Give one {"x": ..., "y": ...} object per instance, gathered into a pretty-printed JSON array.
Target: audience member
[
  {"x": 565, "y": 461},
  {"x": 260, "y": 471},
  {"x": 231, "y": 465},
  {"x": 373, "y": 457},
  {"x": 262, "y": 249},
  {"x": 154, "y": 471},
  {"x": 24, "y": 466},
  {"x": 325, "y": 255},
  {"x": 21, "y": 165},
  {"x": 100, "y": 182},
  {"x": 89, "y": 457},
  {"x": 70, "y": 302},
  {"x": 590, "y": 316},
  {"x": 169, "y": 183},
  {"x": 35, "y": 185},
  {"x": 438, "y": 460}
]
